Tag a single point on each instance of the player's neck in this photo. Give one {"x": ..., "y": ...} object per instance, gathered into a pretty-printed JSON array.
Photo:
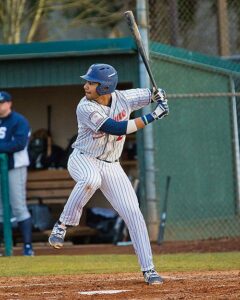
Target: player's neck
[{"x": 105, "y": 100}]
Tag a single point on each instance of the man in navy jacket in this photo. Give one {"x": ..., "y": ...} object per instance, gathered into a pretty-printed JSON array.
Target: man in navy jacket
[{"x": 14, "y": 137}]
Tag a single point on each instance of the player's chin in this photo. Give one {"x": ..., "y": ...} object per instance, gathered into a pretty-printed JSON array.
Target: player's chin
[{"x": 88, "y": 96}]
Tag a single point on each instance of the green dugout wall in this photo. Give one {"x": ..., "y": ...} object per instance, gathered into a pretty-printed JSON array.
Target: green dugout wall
[
  {"x": 61, "y": 63},
  {"x": 197, "y": 145}
]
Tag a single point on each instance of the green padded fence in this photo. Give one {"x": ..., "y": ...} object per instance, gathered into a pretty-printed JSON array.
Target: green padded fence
[
  {"x": 195, "y": 145},
  {"x": 7, "y": 229}
]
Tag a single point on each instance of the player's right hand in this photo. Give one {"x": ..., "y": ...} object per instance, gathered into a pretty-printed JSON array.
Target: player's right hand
[{"x": 158, "y": 95}]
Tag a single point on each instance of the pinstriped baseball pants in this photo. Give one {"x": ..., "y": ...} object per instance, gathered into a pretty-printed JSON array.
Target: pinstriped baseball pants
[{"x": 91, "y": 174}]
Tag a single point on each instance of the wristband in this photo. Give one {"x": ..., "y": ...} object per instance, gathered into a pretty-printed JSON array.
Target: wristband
[
  {"x": 147, "y": 119},
  {"x": 131, "y": 127}
]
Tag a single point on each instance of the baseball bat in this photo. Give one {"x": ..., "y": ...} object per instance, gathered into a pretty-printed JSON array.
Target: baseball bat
[
  {"x": 49, "y": 134},
  {"x": 138, "y": 39},
  {"x": 163, "y": 217}
]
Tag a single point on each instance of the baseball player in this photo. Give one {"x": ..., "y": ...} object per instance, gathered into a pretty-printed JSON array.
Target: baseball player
[
  {"x": 14, "y": 136},
  {"x": 103, "y": 123}
]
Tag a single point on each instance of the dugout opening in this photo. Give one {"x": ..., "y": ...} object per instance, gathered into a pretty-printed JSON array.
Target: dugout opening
[{"x": 33, "y": 103}]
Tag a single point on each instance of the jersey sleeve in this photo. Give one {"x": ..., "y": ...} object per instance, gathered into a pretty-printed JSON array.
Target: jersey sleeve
[
  {"x": 113, "y": 127},
  {"x": 137, "y": 98},
  {"x": 19, "y": 138},
  {"x": 90, "y": 116}
]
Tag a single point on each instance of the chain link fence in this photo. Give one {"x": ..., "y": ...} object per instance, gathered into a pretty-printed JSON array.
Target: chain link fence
[
  {"x": 210, "y": 27},
  {"x": 194, "y": 52}
]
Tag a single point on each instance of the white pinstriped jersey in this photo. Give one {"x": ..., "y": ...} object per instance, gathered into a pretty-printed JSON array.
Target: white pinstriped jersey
[{"x": 91, "y": 115}]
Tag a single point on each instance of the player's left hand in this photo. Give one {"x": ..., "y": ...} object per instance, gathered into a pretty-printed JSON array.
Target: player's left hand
[
  {"x": 164, "y": 104},
  {"x": 158, "y": 95},
  {"x": 161, "y": 110}
]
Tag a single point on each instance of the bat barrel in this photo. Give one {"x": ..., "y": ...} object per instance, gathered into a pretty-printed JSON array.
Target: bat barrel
[{"x": 138, "y": 39}]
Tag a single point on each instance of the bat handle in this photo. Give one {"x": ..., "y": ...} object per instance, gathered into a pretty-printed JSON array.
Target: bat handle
[{"x": 154, "y": 87}]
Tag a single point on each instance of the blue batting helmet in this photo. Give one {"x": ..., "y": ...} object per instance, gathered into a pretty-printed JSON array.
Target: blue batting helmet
[{"x": 105, "y": 75}]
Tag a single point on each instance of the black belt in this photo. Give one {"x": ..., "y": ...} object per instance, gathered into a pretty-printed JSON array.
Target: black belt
[{"x": 107, "y": 161}]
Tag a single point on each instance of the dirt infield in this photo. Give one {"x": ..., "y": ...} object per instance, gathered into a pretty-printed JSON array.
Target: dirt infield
[{"x": 201, "y": 285}]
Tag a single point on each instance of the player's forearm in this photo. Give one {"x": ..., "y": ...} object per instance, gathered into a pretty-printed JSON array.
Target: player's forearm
[
  {"x": 122, "y": 127},
  {"x": 139, "y": 123}
]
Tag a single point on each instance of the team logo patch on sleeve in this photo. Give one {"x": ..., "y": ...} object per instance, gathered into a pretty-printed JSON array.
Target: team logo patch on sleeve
[{"x": 96, "y": 118}]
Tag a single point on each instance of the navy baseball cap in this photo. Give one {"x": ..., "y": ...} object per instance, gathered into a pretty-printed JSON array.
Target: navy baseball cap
[{"x": 5, "y": 96}]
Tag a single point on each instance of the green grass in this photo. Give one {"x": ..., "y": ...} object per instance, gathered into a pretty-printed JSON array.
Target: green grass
[{"x": 77, "y": 264}]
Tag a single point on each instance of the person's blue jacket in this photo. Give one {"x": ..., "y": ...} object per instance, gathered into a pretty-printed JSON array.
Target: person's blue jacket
[{"x": 14, "y": 137}]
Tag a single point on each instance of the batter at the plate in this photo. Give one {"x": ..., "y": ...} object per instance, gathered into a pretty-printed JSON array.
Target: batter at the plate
[{"x": 103, "y": 122}]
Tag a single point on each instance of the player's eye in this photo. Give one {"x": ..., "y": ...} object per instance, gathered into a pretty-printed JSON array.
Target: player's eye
[{"x": 92, "y": 83}]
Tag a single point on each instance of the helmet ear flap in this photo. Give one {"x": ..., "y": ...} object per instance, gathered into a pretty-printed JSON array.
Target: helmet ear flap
[
  {"x": 98, "y": 89},
  {"x": 102, "y": 90}
]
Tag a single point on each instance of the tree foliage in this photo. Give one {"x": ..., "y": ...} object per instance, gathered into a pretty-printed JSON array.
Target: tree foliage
[{"x": 21, "y": 20}]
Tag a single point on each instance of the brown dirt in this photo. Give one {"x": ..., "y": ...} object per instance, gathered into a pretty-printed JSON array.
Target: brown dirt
[
  {"x": 219, "y": 245},
  {"x": 200, "y": 285}
]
